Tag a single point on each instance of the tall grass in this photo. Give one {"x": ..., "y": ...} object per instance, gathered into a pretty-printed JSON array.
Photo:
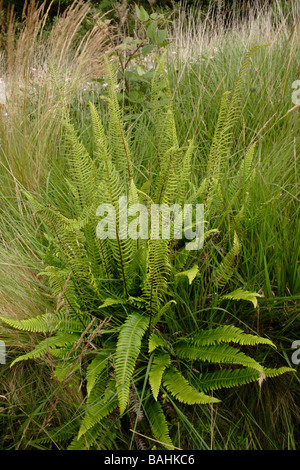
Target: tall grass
[{"x": 46, "y": 72}]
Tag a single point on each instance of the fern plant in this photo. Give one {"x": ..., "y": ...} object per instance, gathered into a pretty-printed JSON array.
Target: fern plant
[{"x": 113, "y": 295}]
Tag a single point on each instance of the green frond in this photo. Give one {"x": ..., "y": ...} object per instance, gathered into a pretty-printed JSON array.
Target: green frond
[
  {"x": 226, "y": 268},
  {"x": 190, "y": 273},
  {"x": 82, "y": 169},
  {"x": 158, "y": 269},
  {"x": 227, "y": 334},
  {"x": 42, "y": 324},
  {"x": 227, "y": 378},
  {"x": 50, "y": 345},
  {"x": 100, "y": 403},
  {"x": 241, "y": 294},
  {"x": 217, "y": 353},
  {"x": 162, "y": 109},
  {"x": 155, "y": 341},
  {"x": 269, "y": 372},
  {"x": 127, "y": 352},
  {"x": 159, "y": 364},
  {"x": 183, "y": 390},
  {"x": 95, "y": 368},
  {"x": 158, "y": 423},
  {"x": 118, "y": 144}
]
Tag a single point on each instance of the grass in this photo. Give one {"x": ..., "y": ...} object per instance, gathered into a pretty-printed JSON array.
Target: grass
[{"x": 205, "y": 63}]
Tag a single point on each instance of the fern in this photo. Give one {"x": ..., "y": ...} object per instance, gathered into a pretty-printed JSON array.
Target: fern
[
  {"x": 158, "y": 423},
  {"x": 128, "y": 349},
  {"x": 183, "y": 390},
  {"x": 51, "y": 345},
  {"x": 240, "y": 294},
  {"x": 219, "y": 353},
  {"x": 100, "y": 403},
  {"x": 42, "y": 324},
  {"x": 160, "y": 362},
  {"x": 226, "y": 268},
  {"x": 227, "y": 334}
]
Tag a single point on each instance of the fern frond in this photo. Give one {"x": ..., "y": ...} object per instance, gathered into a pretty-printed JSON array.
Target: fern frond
[
  {"x": 100, "y": 403},
  {"x": 190, "y": 273},
  {"x": 95, "y": 368},
  {"x": 269, "y": 372},
  {"x": 155, "y": 341},
  {"x": 41, "y": 324},
  {"x": 50, "y": 345},
  {"x": 158, "y": 268},
  {"x": 227, "y": 378},
  {"x": 158, "y": 423},
  {"x": 228, "y": 334},
  {"x": 159, "y": 364},
  {"x": 128, "y": 349},
  {"x": 162, "y": 109},
  {"x": 226, "y": 268},
  {"x": 118, "y": 144},
  {"x": 219, "y": 353},
  {"x": 183, "y": 390},
  {"x": 240, "y": 294}
]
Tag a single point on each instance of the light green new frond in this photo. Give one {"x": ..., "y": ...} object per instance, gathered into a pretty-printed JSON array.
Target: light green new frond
[
  {"x": 183, "y": 390},
  {"x": 190, "y": 273},
  {"x": 217, "y": 353},
  {"x": 94, "y": 369},
  {"x": 240, "y": 294},
  {"x": 226, "y": 268},
  {"x": 160, "y": 362},
  {"x": 158, "y": 423},
  {"x": 168, "y": 178},
  {"x": 155, "y": 341},
  {"x": 227, "y": 334},
  {"x": 127, "y": 352}
]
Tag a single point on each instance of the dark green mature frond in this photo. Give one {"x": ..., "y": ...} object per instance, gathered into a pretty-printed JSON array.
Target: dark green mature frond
[
  {"x": 100, "y": 403},
  {"x": 158, "y": 423},
  {"x": 183, "y": 390},
  {"x": 127, "y": 352},
  {"x": 227, "y": 378}
]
